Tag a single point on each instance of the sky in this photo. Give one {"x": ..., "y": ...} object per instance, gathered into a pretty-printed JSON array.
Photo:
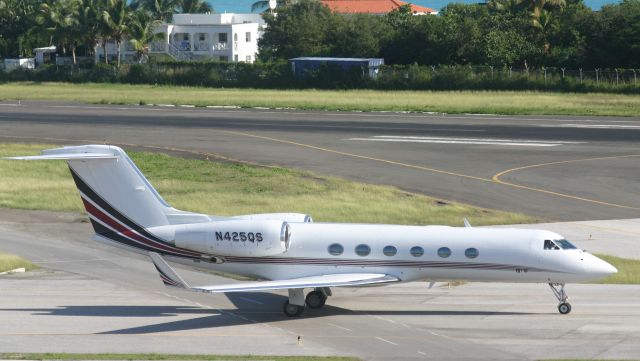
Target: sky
[{"x": 243, "y": 6}]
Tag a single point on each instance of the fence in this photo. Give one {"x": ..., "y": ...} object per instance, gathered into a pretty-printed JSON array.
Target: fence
[{"x": 406, "y": 77}]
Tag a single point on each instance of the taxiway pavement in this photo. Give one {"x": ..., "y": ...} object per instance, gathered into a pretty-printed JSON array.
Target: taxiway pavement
[
  {"x": 96, "y": 298},
  {"x": 556, "y": 167}
]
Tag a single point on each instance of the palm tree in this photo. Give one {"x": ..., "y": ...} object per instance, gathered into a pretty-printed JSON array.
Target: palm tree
[
  {"x": 60, "y": 19},
  {"x": 536, "y": 8},
  {"x": 141, "y": 33},
  {"x": 162, "y": 10},
  {"x": 90, "y": 23},
  {"x": 115, "y": 17},
  {"x": 194, "y": 7}
]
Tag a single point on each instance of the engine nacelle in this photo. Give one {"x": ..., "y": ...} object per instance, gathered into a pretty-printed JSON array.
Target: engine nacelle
[
  {"x": 286, "y": 217},
  {"x": 242, "y": 238}
]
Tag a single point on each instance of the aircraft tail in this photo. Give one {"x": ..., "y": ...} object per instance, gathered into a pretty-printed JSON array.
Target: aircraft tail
[{"x": 114, "y": 192}]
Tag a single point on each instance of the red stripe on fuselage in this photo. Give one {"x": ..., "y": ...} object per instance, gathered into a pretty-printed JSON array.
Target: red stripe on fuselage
[{"x": 106, "y": 219}]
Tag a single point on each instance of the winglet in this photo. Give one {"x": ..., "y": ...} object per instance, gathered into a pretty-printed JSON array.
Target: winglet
[
  {"x": 466, "y": 223},
  {"x": 167, "y": 274}
]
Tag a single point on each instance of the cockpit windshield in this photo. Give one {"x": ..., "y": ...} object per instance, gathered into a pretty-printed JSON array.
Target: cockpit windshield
[{"x": 557, "y": 244}]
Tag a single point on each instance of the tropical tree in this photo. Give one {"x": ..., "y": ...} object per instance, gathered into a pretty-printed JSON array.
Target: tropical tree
[
  {"x": 194, "y": 7},
  {"x": 115, "y": 17},
  {"x": 61, "y": 20},
  {"x": 19, "y": 31},
  {"x": 141, "y": 33},
  {"x": 90, "y": 24},
  {"x": 162, "y": 10}
]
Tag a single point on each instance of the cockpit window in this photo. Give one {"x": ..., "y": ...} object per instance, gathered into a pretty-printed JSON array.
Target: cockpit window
[
  {"x": 558, "y": 244},
  {"x": 565, "y": 244}
]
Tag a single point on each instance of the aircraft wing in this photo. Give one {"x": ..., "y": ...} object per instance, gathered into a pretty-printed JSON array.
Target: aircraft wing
[{"x": 171, "y": 278}]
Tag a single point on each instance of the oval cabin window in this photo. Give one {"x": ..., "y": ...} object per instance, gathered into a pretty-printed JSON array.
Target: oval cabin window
[
  {"x": 363, "y": 250},
  {"x": 471, "y": 252},
  {"x": 444, "y": 252},
  {"x": 417, "y": 251},
  {"x": 389, "y": 251},
  {"x": 335, "y": 249}
]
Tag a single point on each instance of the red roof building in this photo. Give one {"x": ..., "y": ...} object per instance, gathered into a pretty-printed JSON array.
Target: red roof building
[{"x": 377, "y": 7}]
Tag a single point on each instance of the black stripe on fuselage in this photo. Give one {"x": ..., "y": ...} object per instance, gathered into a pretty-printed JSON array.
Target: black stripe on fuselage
[{"x": 95, "y": 198}]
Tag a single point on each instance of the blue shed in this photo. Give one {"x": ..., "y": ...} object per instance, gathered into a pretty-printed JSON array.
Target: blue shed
[{"x": 305, "y": 64}]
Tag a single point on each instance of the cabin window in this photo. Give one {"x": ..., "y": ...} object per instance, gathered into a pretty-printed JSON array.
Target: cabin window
[
  {"x": 335, "y": 249},
  {"x": 363, "y": 250},
  {"x": 471, "y": 252},
  {"x": 444, "y": 252},
  {"x": 389, "y": 251},
  {"x": 416, "y": 251}
]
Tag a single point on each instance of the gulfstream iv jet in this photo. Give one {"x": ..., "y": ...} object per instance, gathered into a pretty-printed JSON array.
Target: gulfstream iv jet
[{"x": 289, "y": 251}]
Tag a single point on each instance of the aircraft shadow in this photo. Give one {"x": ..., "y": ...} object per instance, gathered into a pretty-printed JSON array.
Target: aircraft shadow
[{"x": 250, "y": 308}]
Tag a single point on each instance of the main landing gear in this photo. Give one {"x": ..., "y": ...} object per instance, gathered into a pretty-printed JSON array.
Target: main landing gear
[
  {"x": 558, "y": 290},
  {"x": 296, "y": 303}
]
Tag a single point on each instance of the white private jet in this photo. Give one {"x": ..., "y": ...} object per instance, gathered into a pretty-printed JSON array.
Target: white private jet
[{"x": 288, "y": 251}]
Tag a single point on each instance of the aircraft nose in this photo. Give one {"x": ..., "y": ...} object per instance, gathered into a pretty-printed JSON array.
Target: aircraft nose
[{"x": 599, "y": 267}]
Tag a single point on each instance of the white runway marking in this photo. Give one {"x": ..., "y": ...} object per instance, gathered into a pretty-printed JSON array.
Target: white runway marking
[
  {"x": 340, "y": 327},
  {"x": 591, "y": 126},
  {"x": 472, "y": 141},
  {"x": 387, "y": 341}
]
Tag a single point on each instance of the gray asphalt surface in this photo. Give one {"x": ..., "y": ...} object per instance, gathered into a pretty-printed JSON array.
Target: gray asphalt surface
[
  {"x": 101, "y": 299},
  {"x": 575, "y": 168}
]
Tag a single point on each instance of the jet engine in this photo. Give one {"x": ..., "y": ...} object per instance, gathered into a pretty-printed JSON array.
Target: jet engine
[
  {"x": 239, "y": 238},
  {"x": 286, "y": 217}
]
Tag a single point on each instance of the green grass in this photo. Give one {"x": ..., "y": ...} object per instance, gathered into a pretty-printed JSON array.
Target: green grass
[
  {"x": 497, "y": 102},
  {"x": 628, "y": 270},
  {"x": 231, "y": 189},
  {"x": 115, "y": 356},
  {"x": 9, "y": 262}
]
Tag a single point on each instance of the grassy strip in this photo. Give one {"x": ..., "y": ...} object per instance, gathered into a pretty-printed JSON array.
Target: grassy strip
[
  {"x": 496, "y": 102},
  {"x": 231, "y": 189},
  {"x": 628, "y": 270},
  {"x": 10, "y": 262},
  {"x": 115, "y": 356}
]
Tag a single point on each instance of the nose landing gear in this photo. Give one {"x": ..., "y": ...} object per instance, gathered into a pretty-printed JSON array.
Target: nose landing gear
[{"x": 558, "y": 290}]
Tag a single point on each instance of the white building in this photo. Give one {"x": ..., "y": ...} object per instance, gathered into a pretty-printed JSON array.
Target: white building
[{"x": 222, "y": 37}]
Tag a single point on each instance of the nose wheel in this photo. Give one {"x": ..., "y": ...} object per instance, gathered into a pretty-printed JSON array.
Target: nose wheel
[{"x": 558, "y": 290}]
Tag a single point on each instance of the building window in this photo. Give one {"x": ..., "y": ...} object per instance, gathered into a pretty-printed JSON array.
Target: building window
[
  {"x": 247, "y": 37},
  {"x": 444, "y": 252},
  {"x": 248, "y": 58},
  {"x": 235, "y": 36},
  {"x": 201, "y": 37},
  {"x": 222, "y": 37},
  {"x": 224, "y": 58},
  {"x": 335, "y": 249},
  {"x": 235, "y": 58},
  {"x": 471, "y": 252},
  {"x": 389, "y": 251},
  {"x": 416, "y": 251},
  {"x": 363, "y": 250}
]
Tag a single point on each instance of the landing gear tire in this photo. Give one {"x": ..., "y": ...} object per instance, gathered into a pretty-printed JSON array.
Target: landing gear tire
[
  {"x": 315, "y": 299},
  {"x": 564, "y": 308},
  {"x": 292, "y": 310}
]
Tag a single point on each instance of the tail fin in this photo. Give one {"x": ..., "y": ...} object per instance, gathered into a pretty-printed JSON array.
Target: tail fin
[{"x": 111, "y": 186}]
